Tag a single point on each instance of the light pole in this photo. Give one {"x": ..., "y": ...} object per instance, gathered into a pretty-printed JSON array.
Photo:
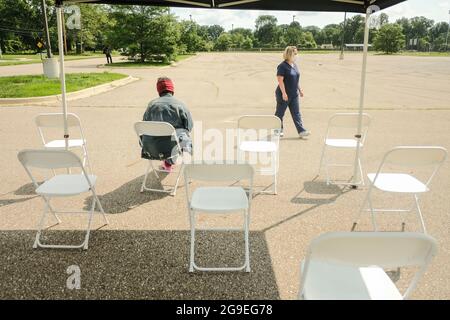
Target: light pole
[
  {"x": 47, "y": 34},
  {"x": 293, "y": 18},
  {"x": 343, "y": 36},
  {"x": 448, "y": 28}
]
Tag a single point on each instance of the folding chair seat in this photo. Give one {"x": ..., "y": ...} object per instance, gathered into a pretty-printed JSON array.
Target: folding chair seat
[
  {"x": 342, "y": 143},
  {"x": 405, "y": 159},
  {"x": 397, "y": 182},
  {"x": 264, "y": 139},
  {"x": 64, "y": 185},
  {"x": 160, "y": 129},
  {"x": 329, "y": 281},
  {"x": 61, "y": 144},
  {"x": 343, "y": 122},
  {"x": 351, "y": 265},
  {"x": 59, "y": 186},
  {"x": 259, "y": 146},
  {"x": 45, "y": 121},
  {"x": 219, "y": 200}
]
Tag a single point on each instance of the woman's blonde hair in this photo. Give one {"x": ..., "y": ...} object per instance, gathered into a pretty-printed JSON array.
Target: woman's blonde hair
[{"x": 289, "y": 53}]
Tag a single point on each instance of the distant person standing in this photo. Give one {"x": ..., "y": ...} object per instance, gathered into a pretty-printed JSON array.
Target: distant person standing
[
  {"x": 288, "y": 92},
  {"x": 107, "y": 52}
]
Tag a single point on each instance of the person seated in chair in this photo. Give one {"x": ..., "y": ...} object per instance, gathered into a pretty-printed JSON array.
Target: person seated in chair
[{"x": 168, "y": 109}]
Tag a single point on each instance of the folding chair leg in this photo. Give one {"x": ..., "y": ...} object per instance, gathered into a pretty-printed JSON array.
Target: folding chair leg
[
  {"x": 363, "y": 207},
  {"x": 322, "y": 159},
  {"x": 192, "y": 251},
  {"x": 146, "y": 174},
  {"x": 52, "y": 211},
  {"x": 247, "y": 242},
  {"x": 154, "y": 170},
  {"x": 361, "y": 176},
  {"x": 41, "y": 225},
  {"x": 275, "y": 178},
  {"x": 372, "y": 212},
  {"x": 88, "y": 231},
  {"x": 275, "y": 184},
  {"x": 94, "y": 194},
  {"x": 327, "y": 172},
  {"x": 174, "y": 192},
  {"x": 419, "y": 213},
  {"x": 86, "y": 161}
]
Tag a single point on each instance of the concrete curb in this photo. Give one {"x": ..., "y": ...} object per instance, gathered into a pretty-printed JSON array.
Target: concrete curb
[{"x": 70, "y": 96}]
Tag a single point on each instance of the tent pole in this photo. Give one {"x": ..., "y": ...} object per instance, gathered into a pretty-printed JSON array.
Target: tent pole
[
  {"x": 62, "y": 76},
  {"x": 356, "y": 177}
]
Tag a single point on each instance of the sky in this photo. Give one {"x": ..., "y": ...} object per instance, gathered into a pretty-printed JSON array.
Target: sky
[{"x": 437, "y": 10}]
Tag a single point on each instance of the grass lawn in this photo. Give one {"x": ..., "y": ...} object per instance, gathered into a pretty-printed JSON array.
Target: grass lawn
[
  {"x": 38, "y": 85},
  {"x": 16, "y": 59},
  {"x": 132, "y": 64},
  {"x": 424, "y": 54},
  {"x": 416, "y": 54}
]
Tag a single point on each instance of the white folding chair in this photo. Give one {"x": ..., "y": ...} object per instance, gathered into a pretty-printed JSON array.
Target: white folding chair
[
  {"x": 404, "y": 183},
  {"x": 160, "y": 129},
  {"x": 219, "y": 200},
  {"x": 351, "y": 265},
  {"x": 257, "y": 135},
  {"x": 56, "y": 120},
  {"x": 347, "y": 123},
  {"x": 60, "y": 186}
]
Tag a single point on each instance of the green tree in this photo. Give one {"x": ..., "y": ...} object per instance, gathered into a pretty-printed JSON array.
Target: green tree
[
  {"x": 20, "y": 24},
  {"x": 191, "y": 38},
  {"x": 330, "y": 34},
  {"x": 247, "y": 44},
  {"x": 389, "y": 39},
  {"x": 224, "y": 42},
  {"x": 307, "y": 41},
  {"x": 214, "y": 32},
  {"x": 354, "y": 29},
  {"x": 293, "y": 35},
  {"x": 438, "y": 36},
  {"x": 150, "y": 32},
  {"x": 266, "y": 32},
  {"x": 242, "y": 38}
]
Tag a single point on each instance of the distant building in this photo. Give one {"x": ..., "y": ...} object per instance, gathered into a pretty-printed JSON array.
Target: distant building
[
  {"x": 327, "y": 46},
  {"x": 355, "y": 46}
]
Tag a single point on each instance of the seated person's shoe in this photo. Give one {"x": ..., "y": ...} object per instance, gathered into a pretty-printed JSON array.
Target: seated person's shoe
[{"x": 166, "y": 167}]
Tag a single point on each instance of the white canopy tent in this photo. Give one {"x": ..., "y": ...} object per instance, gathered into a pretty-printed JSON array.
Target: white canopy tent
[{"x": 359, "y": 6}]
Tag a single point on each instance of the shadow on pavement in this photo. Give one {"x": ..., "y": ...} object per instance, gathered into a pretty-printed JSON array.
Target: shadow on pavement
[
  {"x": 135, "y": 265},
  {"x": 128, "y": 196}
]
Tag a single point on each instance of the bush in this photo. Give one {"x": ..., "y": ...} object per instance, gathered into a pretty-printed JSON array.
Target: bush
[{"x": 389, "y": 39}]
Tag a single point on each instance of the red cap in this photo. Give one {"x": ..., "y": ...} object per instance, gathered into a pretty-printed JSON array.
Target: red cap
[{"x": 164, "y": 84}]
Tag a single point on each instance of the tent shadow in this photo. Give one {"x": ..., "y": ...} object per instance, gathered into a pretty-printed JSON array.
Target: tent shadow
[
  {"x": 128, "y": 196},
  {"x": 128, "y": 264}
]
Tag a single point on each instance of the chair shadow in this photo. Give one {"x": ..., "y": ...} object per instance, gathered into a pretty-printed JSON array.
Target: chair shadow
[
  {"x": 26, "y": 189},
  {"x": 313, "y": 187},
  {"x": 7, "y": 202},
  {"x": 128, "y": 195},
  {"x": 149, "y": 264}
]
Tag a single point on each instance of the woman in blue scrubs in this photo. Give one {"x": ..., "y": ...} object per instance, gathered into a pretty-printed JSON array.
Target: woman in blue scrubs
[{"x": 288, "y": 92}]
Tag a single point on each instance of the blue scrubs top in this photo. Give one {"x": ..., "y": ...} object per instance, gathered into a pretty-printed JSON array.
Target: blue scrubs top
[{"x": 291, "y": 80}]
